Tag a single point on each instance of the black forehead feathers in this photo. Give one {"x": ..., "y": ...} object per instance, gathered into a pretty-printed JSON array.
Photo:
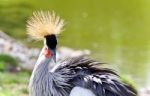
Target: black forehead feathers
[{"x": 51, "y": 41}]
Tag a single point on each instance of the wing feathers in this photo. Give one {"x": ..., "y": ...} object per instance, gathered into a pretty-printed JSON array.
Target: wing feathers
[{"x": 101, "y": 81}]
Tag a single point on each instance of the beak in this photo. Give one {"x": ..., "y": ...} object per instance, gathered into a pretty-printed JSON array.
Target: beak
[{"x": 54, "y": 54}]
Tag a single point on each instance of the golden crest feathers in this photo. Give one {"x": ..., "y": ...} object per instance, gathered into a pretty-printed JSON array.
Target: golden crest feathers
[{"x": 45, "y": 23}]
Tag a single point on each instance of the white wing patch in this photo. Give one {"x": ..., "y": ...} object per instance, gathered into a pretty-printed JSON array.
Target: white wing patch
[{"x": 79, "y": 91}]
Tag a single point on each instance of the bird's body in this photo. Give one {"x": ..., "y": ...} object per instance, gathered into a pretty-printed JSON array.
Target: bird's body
[
  {"x": 78, "y": 76},
  {"x": 79, "y": 91}
]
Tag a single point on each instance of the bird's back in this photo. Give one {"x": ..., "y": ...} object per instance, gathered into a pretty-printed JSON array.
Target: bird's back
[{"x": 83, "y": 72}]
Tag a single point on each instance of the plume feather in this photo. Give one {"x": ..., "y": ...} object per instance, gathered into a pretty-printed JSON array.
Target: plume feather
[{"x": 43, "y": 23}]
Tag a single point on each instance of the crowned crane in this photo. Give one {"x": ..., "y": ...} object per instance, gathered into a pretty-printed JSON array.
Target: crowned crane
[{"x": 77, "y": 76}]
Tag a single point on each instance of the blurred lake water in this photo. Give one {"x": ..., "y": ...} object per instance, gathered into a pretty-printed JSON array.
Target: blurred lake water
[{"x": 116, "y": 31}]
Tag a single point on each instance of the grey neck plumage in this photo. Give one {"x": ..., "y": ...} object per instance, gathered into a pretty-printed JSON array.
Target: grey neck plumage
[{"x": 41, "y": 69}]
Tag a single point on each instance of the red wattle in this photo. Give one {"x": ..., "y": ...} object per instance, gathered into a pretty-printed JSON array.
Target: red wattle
[{"x": 47, "y": 53}]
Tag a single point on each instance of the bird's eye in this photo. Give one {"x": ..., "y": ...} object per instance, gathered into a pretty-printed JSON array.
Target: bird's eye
[{"x": 47, "y": 53}]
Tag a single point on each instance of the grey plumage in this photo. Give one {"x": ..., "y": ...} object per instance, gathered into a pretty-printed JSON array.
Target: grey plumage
[{"x": 79, "y": 71}]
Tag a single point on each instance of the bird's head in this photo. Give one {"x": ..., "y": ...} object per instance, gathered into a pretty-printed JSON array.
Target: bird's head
[{"x": 45, "y": 26}]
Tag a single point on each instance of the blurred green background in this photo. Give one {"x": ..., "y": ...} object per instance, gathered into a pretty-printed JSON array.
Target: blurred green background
[{"x": 116, "y": 31}]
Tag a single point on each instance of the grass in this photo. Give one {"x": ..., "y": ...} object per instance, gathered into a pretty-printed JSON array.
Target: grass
[
  {"x": 7, "y": 58},
  {"x": 12, "y": 83},
  {"x": 15, "y": 85},
  {"x": 6, "y": 62}
]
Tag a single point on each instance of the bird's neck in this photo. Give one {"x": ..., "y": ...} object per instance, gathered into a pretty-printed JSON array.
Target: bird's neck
[{"x": 41, "y": 67}]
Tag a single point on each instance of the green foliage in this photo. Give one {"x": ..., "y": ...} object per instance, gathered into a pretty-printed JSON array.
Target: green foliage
[
  {"x": 14, "y": 84},
  {"x": 21, "y": 77},
  {"x": 2, "y": 66},
  {"x": 6, "y": 60}
]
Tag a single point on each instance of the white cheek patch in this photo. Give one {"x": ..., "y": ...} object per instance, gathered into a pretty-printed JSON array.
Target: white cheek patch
[{"x": 79, "y": 91}]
